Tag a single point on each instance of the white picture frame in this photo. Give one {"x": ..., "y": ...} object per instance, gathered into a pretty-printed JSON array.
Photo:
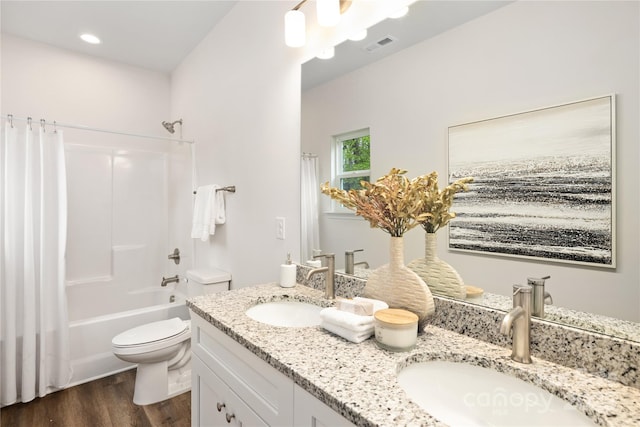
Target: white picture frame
[{"x": 544, "y": 184}]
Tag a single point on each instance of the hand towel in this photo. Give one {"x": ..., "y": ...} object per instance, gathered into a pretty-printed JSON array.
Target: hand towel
[
  {"x": 218, "y": 214},
  {"x": 355, "y": 337},
  {"x": 202, "y": 212},
  {"x": 346, "y": 320}
]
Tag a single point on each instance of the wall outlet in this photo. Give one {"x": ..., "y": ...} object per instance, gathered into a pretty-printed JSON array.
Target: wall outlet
[{"x": 280, "y": 228}]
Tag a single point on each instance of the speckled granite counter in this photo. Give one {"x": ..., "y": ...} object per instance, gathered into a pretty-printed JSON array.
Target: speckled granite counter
[{"x": 359, "y": 380}]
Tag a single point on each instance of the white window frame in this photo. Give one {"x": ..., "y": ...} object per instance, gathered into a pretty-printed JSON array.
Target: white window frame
[{"x": 336, "y": 165}]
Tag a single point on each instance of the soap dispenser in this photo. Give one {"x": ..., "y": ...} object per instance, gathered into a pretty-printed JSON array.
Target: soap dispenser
[{"x": 288, "y": 273}]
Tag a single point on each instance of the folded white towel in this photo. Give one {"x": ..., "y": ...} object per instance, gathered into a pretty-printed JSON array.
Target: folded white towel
[
  {"x": 344, "y": 319},
  {"x": 200, "y": 228},
  {"x": 218, "y": 211},
  {"x": 350, "y": 335}
]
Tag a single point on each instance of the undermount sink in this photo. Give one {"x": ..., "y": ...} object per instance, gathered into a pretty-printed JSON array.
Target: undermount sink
[
  {"x": 292, "y": 314},
  {"x": 460, "y": 394}
]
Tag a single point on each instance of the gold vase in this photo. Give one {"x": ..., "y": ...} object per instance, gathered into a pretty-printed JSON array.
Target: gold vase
[
  {"x": 400, "y": 287},
  {"x": 440, "y": 277}
]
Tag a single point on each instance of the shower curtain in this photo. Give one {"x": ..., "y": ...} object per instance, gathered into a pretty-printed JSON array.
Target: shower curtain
[
  {"x": 309, "y": 207},
  {"x": 34, "y": 357}
]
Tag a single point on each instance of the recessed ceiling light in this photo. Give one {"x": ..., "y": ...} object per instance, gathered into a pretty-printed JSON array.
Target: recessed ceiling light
[
  {"x": 326, "y": 53},
  {"x": 90, "y": 38}
]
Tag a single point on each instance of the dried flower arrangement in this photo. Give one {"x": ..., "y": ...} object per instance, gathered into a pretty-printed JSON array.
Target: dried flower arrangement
[
  {"x": 436, "y": 203},
  {"x": 396, "y": 204}
]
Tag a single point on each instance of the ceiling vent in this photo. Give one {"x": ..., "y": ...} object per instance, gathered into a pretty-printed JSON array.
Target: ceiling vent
[{"x": 384, "y": 41}]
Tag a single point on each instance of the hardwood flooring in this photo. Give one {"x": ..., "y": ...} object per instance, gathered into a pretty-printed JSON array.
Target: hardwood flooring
[{"x": 107, "y": 402}]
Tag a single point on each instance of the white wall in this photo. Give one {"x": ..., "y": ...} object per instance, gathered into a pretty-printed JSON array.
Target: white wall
[
  {"x": 117, "y": 231},
  {"x": 524, "y": 56},
  {"x": 239, "y": 95}
]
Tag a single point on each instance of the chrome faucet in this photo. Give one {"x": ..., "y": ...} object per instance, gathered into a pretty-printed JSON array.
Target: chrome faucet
[
  {"x": 173, "y": 279},
  {"x": 519, "y": 319},
  {"x": 348, "y": 260},
  {"x": 540, "y": 297},
  {"x": 329, "y": 291}
]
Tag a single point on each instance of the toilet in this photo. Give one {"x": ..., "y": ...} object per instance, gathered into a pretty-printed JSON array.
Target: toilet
[{"x": 162, "y": 349}]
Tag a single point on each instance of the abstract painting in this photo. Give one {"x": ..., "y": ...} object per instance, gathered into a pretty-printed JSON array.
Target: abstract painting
[{"x": 544, "y": 184}]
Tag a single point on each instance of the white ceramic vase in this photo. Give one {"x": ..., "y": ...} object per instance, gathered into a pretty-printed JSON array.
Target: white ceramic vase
[
  {"x": 440, "y": 277},
  {"x": 399, "y": 286}
]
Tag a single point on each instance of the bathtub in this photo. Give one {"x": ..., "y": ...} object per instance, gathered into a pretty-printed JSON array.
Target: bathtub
[{"x": 90, "y": 338}]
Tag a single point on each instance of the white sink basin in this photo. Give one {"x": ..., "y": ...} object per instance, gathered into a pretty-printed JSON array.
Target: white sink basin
[
  {"x": 460, "y": 394},
  {"x": 292, "y": 314}
]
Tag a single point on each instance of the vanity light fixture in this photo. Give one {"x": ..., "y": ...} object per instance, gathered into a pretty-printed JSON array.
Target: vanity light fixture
[
  {"x": 400, "y": 12},
  {"x": 360, "y": 35},
  {"x": 90, "y": 38},
  {"x": 328, "y": 11}
]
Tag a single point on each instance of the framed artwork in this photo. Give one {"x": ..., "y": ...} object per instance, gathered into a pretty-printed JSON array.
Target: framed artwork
[{"x": 544, "y": 184}]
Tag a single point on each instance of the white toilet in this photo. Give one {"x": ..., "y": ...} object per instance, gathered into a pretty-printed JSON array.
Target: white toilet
[{"x": 162, "y": 349}]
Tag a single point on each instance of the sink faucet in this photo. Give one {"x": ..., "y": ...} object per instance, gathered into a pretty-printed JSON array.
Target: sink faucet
[
  {"x": 173, "y": 279},
  {"x": 540, "y": 297},
  {"x": 329, "y": 291},
  {"x": 348, "y": 260},
  {"x": 519, "y": 319}
]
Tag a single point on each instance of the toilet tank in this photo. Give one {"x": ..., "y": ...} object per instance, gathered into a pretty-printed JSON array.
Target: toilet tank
[{"x": 203, "y": 281}]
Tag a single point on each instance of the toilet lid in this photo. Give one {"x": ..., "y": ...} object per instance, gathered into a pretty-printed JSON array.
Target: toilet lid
[{"x": 150, "y": 332}]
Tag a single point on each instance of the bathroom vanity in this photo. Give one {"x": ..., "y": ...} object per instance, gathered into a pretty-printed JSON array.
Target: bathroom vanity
[{"x": 248, "y": 372}]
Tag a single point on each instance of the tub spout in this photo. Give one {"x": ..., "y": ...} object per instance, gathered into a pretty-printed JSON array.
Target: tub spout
[{"x": 166, "y": 281}]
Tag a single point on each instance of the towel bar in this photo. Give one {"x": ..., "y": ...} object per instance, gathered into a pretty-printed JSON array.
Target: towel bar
[{"x": 229, "y": 189}]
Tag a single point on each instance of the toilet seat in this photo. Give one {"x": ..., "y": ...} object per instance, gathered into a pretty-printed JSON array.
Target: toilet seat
[{"x": 152, "y": 336}]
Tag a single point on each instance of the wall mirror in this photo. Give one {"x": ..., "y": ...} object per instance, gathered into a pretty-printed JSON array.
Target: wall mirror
[{"x": 342, "y": 94}]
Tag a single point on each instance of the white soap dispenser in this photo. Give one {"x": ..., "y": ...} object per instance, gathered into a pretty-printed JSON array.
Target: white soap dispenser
[{"x": 288, "y": 273}]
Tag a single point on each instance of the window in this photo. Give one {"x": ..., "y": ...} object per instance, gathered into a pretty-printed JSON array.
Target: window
[{"x": 351, "y": 159}]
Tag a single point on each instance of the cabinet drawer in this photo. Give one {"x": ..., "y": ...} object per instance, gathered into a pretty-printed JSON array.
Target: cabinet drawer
[
  {"x": 268, "y": 392},
  {"x": 216, "y": 404},
  {"x": 311, "y": 412}
]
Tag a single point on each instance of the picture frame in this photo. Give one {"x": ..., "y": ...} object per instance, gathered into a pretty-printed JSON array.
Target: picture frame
[{"x": 544, "y": 184}]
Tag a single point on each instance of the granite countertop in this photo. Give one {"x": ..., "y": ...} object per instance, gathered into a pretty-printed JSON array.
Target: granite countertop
[{"x": 359, "y": 380}]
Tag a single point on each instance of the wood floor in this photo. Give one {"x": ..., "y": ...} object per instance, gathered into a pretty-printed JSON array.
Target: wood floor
[{"x": 107, "y": 402}]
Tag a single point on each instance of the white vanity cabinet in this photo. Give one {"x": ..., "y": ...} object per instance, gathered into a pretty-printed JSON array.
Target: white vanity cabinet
[
  {"x": 310, "y": 412},
  {"x": 232, "y": 386},
  {"x": 225, "y": 373}
]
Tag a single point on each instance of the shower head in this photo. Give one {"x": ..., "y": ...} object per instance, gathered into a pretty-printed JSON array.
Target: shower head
[{"x": 169, "y": 126}]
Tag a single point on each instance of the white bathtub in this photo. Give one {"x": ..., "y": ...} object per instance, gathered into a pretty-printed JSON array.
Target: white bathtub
[{"x": 90, "y": 339}]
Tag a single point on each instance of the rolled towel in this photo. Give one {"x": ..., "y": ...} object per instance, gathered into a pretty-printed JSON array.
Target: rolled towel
[
  {"x": 346, "y": 320},
  {"x": 347, "y": 334}
]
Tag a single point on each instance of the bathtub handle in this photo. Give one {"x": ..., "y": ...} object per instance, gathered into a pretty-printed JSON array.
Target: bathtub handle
[{"x": 220, "y": 406}]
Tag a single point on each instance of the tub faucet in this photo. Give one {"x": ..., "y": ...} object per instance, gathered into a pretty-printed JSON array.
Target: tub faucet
[
  {"x": 173, "y": 279},
  {"x": 540, "y": 297},
  {"x": 329, "y": 291},
  {"x": 519, "y": 319}
]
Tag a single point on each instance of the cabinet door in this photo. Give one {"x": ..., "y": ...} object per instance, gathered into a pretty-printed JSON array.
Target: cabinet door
[
  {"x": 213, "y": 404},
  {"x": 311, "y": 412}
]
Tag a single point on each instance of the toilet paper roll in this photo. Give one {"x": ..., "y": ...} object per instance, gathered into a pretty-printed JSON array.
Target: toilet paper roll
[{"x": 287, "y": 275}]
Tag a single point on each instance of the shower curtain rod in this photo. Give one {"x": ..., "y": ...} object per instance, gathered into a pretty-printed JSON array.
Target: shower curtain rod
[{"x": 42, "y": 122}]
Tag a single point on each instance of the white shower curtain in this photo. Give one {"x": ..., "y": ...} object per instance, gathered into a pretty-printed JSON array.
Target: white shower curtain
[
  {"x": 33, "y": 219},
  {"x": 309, "y": 206}
]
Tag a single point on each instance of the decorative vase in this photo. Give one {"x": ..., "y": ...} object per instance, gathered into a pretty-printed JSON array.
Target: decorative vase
[
  {"x": 439, "y": 276},
  {"x": 400, "y": 287}
]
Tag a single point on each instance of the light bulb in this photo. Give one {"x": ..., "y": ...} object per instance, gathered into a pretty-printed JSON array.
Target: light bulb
[
  {"x": 360, "y": 35},
  {"x": 400, "y": 12},
  {"x": 294, "y": 29},
  {"x": 328, "y": 12}
]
